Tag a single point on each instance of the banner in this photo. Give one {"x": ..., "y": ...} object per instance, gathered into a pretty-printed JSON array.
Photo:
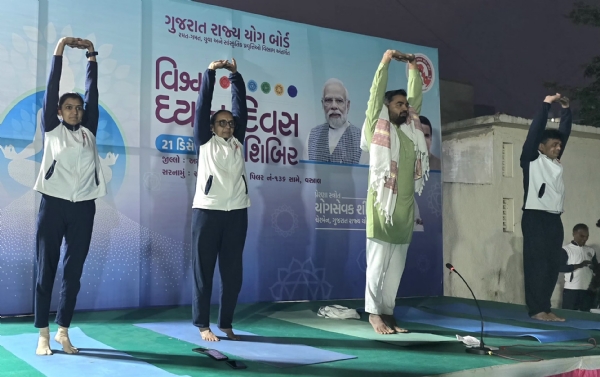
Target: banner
[
  {"x": 306, "y": 236},
  {"x": 111, "y": 273}
]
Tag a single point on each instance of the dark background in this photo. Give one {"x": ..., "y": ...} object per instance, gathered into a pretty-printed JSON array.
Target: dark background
[{"x": 505, "y": 49}]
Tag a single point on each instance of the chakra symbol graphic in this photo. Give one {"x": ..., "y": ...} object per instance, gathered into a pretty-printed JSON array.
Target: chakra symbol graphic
[
  {"x": 284, "y": 221},
  {"x": 224, "y": 81},
  {"x": 279, "y": 89},
  {"x": 265, "y": 87},
  {"x": 434, "y": 199},
  {"x": 361, "y": 260},
  {"x": 298, "y": 278},
  {"x": 152, "y": 181},
  {"x": 252, "y": 86}
]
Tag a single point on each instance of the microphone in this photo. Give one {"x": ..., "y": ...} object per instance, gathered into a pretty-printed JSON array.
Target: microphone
[{"x": 482, "y": 349}]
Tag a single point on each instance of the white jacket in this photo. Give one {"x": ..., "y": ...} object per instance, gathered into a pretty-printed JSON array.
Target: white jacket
[
  {"x": 71, "y": 168},
  {"x": 221, "y": 183},
  {"x": 546, "y": 186},
  {"x": 581, "y": 277}
]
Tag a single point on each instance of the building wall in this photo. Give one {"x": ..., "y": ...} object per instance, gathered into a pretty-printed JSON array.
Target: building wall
[{"x": 489, "y": 258}]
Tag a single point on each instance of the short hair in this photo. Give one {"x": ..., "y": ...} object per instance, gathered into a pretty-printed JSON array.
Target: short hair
[
  {"x": 426, "y": 121},
  {"x": 334, "y": 81},
  {"x": 68, "y": 95},
  {"x": 551, "y": 134},
  {"x": 579, "y": 227},
  {"x": 213, "y": 117},
  {"x": 390, "y": 94}
]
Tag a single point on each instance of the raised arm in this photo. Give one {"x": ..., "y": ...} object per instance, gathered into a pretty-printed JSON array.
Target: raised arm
[
  {"x": 415, "y": 87},
  {"x": 566, "y": 122},
  {"x": 534, "y": 135},
  {"x": 377, "y": 96},
  {"x": 92, "y": 114},
  {"x": 202, "y": 132},
  {"x": 239, "y": 107},
  {"x": 50, "y": 105}
]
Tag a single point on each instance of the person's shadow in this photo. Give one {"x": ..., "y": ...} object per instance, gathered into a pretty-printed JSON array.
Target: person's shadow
[{"x": 514, "y": 280}]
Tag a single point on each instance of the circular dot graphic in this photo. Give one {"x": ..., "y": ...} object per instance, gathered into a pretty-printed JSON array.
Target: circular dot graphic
[
  {"x": 224, "y": 81},
  {"x": 279, "y": 89},
  {"x": 292, "y": 91},
  {"x": 265, "y": 87}
]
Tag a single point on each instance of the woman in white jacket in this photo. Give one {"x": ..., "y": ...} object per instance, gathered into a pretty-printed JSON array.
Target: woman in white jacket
[
  {"x": 219, "y": 214},
  {"x": 70, "y": 179}
]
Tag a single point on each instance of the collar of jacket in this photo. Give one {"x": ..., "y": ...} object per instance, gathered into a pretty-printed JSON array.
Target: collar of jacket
[{"x": 72, "y": 128}]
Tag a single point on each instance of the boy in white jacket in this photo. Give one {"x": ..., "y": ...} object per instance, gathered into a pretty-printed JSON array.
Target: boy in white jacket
[{"x": 578, "y": 262}]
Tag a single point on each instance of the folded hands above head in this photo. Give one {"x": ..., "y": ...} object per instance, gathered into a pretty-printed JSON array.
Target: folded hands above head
[
  {"x": 226, "y": 64},
  {"x": 82, "y": 44}
]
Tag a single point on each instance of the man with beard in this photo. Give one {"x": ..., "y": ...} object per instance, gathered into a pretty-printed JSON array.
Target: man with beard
[
  {"x": 336, "y": 140},
  {"x": 398, "y": 167}
]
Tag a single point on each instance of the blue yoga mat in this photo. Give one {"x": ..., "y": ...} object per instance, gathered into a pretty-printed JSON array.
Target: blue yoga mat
[
  {"x": 94, "y": 359},
  {"x": 408, "y": 314},
  {"x": 520, "y": 315},
  {"x": 251, "y": 347}
]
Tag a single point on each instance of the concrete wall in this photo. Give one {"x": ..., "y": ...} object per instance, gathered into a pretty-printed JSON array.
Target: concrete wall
[{"x": 489, "y": 258}]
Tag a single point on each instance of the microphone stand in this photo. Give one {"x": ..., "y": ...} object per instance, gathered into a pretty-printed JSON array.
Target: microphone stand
[{"x": 482, "y": 349}]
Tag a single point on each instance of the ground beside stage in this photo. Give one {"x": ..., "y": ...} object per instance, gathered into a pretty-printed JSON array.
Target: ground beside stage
[{"x": 116, "y": 329}]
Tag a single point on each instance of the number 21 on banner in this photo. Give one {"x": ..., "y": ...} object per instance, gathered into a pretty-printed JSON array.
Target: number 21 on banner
[{"x": 175, "y": 144}]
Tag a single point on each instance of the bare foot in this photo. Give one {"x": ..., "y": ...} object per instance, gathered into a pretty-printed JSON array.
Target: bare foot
[
  {"x": 378, "y": 325},
  {"x": 230, "y": 334},
  {"x": 62, "y": 337},
  {"x": 43, "y": 347},
  {"x": 553, "y": 317},
  {"x": 541, "y": 316},
  {"x": 208, "y": 335},
  {"x": 392, "y": 324}
]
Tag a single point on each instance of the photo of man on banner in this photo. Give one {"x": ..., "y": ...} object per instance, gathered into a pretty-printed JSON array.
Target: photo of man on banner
[{"x": 337, "y": 140}]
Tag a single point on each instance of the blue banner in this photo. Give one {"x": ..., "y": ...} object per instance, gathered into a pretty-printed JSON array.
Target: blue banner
[{"x": 306, "y": 238}]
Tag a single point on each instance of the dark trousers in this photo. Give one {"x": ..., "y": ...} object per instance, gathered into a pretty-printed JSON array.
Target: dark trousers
[
  {"x": 543, "y": 236},
  {"x": 74, "y": 222},
  {"x": 219, "y": 234},
  {"x": 577, "y": 299}
]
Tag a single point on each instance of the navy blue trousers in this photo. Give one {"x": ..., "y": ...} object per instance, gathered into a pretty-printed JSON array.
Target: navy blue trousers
[
  {"x": 222, "y": 235},
  {"x": 74, "y": 222},
  {"x": 542, "y": 243},
  {"x": 578, "y": 299}
]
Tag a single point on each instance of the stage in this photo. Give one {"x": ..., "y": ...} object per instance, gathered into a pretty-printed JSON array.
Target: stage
[{"x": 281, "y": 339}]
